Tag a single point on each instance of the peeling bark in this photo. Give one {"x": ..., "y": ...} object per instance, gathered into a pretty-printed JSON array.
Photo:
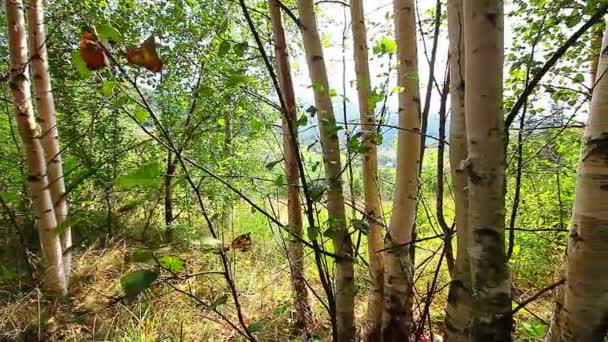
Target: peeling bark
[
  {"x": 484, "y": 46},
  {"x": 46, "y": 222},
  {"x": 398, "y": 279},
  {"x": 460, "y": 301},
  {"x": 48, "y": 123},
  {"x": 581, "y": 312}
]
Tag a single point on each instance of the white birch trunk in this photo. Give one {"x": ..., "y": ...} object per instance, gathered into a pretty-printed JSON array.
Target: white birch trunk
[
  {"x": 46, "y": 223},
  {"x": 485, "y": 167},
  {"x": 582, "y": 313},
  {"x": 48, "y": 123},
  {"x": 459, "y": 306},
  {"x": 375, "y": 240},
  {"x": 398, "y": 266},
  {"x": 345, "y": 286}
]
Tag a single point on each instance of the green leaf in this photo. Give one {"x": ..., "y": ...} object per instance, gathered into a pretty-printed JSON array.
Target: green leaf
[
  {"x": 317, "y": 87},
  {"x": 330, "y": 233},
  {"x": 146, "y": 175},
  {"x": 377, "y": 138},
  {"x": 141, "y": 114},
  {"x": 317, "y": 189},
  {"x": 333, "y": 92},
  {"x": 80, "y": 64},
  {"x": 280, "y": 310},
  {"x": 224, "y": 48},
  {"x": 218, "y": 302},
  {"x": 240, "y": 48},
  {"x": 302, "y": 121},
  {"x": 109, "y": 33},
  {"x": 9, "y": 197},
  {"x": 374, "y": 98},
  {"x": 272, "y": 164},
  {"x": 123, "y": 100},
  {"x": 206, "y": 91},
  {"x": 133, "y": 283},
  {"x": 255, "y": 327},
  {"x": 280, "y": 180},
  {"x": 353, "y": 144},
  {"x": 222, "y": 27},
  {"x": 516, "y": 249},
  {"x": 385, "y": 46},
  {"x": 236, "y": 78},
  {"x": 172, "y": 263},
  {"x": 107, "y": 88},
  {"x": 142, "y": 255},
  {"x": 579, "y": 78},
  {"x": 312, "y": 232}
]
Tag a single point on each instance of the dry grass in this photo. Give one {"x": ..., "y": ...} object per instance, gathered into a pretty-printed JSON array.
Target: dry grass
[{"x": 92, "y": 313}]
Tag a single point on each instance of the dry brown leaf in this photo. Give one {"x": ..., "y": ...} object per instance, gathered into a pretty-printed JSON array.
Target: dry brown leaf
[
  {"x": 92, "y": 53},
  {"x": 145, "y": 55}
]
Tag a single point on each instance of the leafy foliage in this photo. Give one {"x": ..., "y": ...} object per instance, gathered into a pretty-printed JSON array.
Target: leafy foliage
[{"x": 135, "y": 282}]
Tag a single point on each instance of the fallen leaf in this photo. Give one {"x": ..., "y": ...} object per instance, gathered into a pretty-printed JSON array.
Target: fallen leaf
[
  {"x": 92, "y": 53},
  {"x": 242, "y": 242},
  {"x": 145, "y": 55}
]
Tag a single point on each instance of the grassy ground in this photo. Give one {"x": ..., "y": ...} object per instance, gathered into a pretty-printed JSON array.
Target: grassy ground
[{"x": 93, "y": 313}]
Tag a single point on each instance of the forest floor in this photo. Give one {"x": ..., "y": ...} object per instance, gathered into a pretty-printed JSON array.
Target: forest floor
[{"x": 97, "y": 311}]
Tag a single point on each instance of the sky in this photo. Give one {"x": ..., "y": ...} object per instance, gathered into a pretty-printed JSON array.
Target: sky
[{"x": 379, "y": 24}]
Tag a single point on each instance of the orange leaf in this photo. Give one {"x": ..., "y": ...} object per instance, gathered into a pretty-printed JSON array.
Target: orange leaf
[
  {"x": 92, "y": 52},
  {"x": 242, "y": 242},
  {"x": 145, "y": 55}
]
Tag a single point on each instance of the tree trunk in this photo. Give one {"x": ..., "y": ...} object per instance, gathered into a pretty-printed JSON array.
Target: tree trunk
[
  {"x": 583, "y": 313},
  {"x": 36, "y": 164},
  {"x": 373, "y": 212},
  {"x": 459, "y": 306},
  {"x": 485, "y": 168},
  {"x": 168, "y": 185},
  {"x": 48, "y": 123},
  {"x": 292, "y": 173},
  {"x": 398, "y": 279},
  {"x": 596, "y": 46},
  {"x": 345, "y": 287}
]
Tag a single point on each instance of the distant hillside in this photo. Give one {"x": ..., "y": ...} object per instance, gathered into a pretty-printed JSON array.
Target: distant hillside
[{"x": 387, "y": 155}]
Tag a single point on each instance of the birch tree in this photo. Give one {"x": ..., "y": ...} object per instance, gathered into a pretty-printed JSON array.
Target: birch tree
[
  {"x": 459, "y": 306},
  {"x": 30, "y": 133},
  {"x": 371, "y": 192},
  {"x": 292, "y": 172},
  {"x": 581, "y": 312},
  {"x": 48, "y": 123},
  {"x": 345, "y": 287},
  {"x": 485, "y": 168},
  {"x": 398, "y": 266}
]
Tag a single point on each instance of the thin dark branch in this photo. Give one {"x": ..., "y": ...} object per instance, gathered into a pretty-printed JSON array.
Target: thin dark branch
[
  {"x": 595, "y": 18},
  {"x": 521, "y": 305}
]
